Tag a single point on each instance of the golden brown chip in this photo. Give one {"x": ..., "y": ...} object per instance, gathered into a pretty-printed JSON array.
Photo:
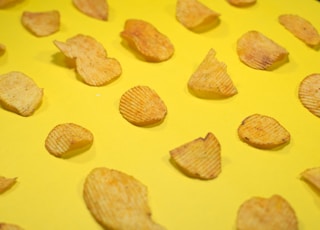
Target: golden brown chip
[
  {"x": 117, "y": 200},
  {"x": 19, "y": 93},
  {"x": 263, "y": 132},
  {"x": 211, "y": 79},
  {"x": 194, "y": 15},
  {"x": 6, "y": 226},
  {"x": 274, "y": 213},
  {"x": 41, "y": 23},
  {"x": 309, "y": 93},
  {"x": 301, "y": 28},
  {"x": 142, "y": 106},
  {"x": 259, "y": 52},
  {"x": 200, "y": 158},
  {"x": 2, "y": 49},
  {"x": 66, "y": 138},
  {"x": 241, "y": 3},
  {"x": 98, "y": 9},
  {"x": 7, "y": 3},
  {"x": 143, "y": 37},
  {"x": 312, "y": 176},
  {"x": 6, "y": 183}
]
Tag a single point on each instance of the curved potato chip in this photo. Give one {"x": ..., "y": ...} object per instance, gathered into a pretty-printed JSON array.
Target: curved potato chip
[
  {"x": 7, "y": 3},
  {"x": 6, "y": 183},
  {"x": 6, "y": 226},
  {"x": 241, "y": 3},
  {"x": 98, "y": 9},
  {"x": 312, "y": 176}
]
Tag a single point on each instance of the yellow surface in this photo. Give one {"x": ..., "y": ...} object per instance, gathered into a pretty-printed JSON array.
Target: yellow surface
[{"x": 48, "y": 194}]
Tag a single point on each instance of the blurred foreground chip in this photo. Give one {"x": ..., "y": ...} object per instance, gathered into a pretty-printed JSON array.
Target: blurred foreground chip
[
  {"x": 98, "y": 9},
  {"x": 6, "y": 3},
  {"x": 241, "y": 3},
  {"x": 7, "y": 226}
]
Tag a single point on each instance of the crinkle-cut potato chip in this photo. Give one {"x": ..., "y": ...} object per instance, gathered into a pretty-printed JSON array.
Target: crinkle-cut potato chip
[
  {"x": 41, "y": 23},
  {"x": 242, "y": 3},
  {"x": 6, "y": 3},
  {"x": 66, "y": 138},
  {"x": 144, "y": 38},
  {"x": 142, "y": 106},
  {"x": 7, "y": 226},
  {"x": 273, "y": 213},
  {"x": 2, "y": 49},
  {"x": 312, "y": 176},
  {"x": 118, "y": 201},
  {"x": 263, "y": 132},
  {"x": 194, "y": 15},
  {"x": 259, "y": 52},
  {"x": 19, "y": 93},
  {"x": 200, "y": 158},
  {"x": 211, "y": 79},
  {"x": 98, "y": 9},
  {"x": 6, "y": 183},
  {"x": 301, "y": 28}
]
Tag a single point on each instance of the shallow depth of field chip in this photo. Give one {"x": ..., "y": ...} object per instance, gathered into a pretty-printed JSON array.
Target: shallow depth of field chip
[
  {"x": 6, "y": 183},
  {"x": 242, "y": 3},
  {"x": 98, "y": 9},
  {"x": 7, "y": 226},
  {"x": 312, "y": 176}
]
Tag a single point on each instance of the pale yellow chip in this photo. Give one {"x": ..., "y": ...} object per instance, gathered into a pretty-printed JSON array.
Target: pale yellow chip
[
  {"x": 98, "y": 9},
  {"x": 142, "y": 106},
  {"x": 66, "y": 139},
  {"x": 2, "y": 49},
  {"x": 194, "y": 15},
  {"x": 273, "y": 213},
  {"x": 200, "y": 158},
  {"x": 41, "y": 23},
  {"x": 309, "y": 93},
  {"x": 149, "y": 43},
  {"x": 301, "y": 28},
  {"x": 211, "y": 79},
  {"x": 259, "y": 52},
  {"x": 7, "y": 3},
  {"x": 242, "y": 3},
  {"x": 6, "y": 183},
  {"x": 7, "y": 226},
  {"x": 117, "y": 200},
  {"x": 312, "y": 176},
  {"x": 19, "y": 93},
  {"x": 263, "y": 132}
]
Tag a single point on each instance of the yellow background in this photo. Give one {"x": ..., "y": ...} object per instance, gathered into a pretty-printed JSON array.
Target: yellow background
[{"x": 48, "y": 194}]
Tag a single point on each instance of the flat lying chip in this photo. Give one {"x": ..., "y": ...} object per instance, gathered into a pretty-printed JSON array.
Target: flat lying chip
[
  {"x": 144, "y": 38},
  {"x": 66, "y": 138},
  {"x": 6, "y": 183},
  {"x": 117, "y": 200},
  {"x": 7, "y": 3},
  {"x": 19, "y": 93},
  {"x": 309, "y": 93},
  {"x": 263, "y": 132},
  {"x": 6, "y": 226},
  {"x": 200, "y": 158},
  {"x": 259, "y": 52},
  {"x": 194, "y": 15},
  {"x": 301, "y": 28},
  {"x": 211, "y": 79},
  {"x": 142, "y": 106},
  {"x": 274, "y": 213},
  {"x": 41, "y": 23},
  {"x": 312, "y": 176},
  {"x": 241, "y": 3},
  {"x": 98, "y": 9}
]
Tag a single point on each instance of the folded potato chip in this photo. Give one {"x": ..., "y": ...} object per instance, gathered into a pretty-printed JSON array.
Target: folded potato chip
[
  {"x": 7, "y": 226},
  {"x": 98, "y": 9},
  {"x": 6, "y": 183},
  {"x": 241, "y": 3},
  {"x": 312, "y": 176},
  {"x": 117, "y": 200}
]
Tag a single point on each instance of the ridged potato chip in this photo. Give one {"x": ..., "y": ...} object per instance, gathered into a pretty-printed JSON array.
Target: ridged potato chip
[
  {"x": 273, "y": 213},
  {"x": 263, "y": 132},
  {"x": 211, "y": 79},
  {"x": 312, "y": 176},
  {"x": 7, "y": 226},
  {"x": 64, "y": 139},
  {"x": 241, "y": 3},
  {"x": 144, "y": 38},
  {"x": 98, "y": 9},
  {"x": 19, "y": 93},
  {"x": 200, "y": 158},
  {"x": 259, "y": 52},
  {"x": 6, "y": 183},
  {"x": 118, "y": 201}
]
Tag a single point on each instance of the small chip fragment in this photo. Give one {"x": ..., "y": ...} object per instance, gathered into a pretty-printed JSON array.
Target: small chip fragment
[
  {"x": 5, "y": 184},
  {"x": 273, "y": 213},
  {"x": 19, "y": 93},
  {"x": 98, "y": 9},
  {"x": 118, "y": 201},
  {"x": 194, "y": 15},
  {"x": 312, "y": 176},
  {"x": 144, "y": 38},
  {"x": 200, "y": 158},
  {"x": 263, "y": 132},
  {"x": 41, "y": 23},
  {"x": 242, "y": 3},
  {"x": 211, "y": 79},
  {"x": 259, "y": 52},
  {"x": 7, "y": 3},
  {"x": 66, "y": 138},
  {"x": 301, "y": 28},
  {"x": 2, "y": 49},
  {"x": 309, "y": 93},
  {"x": 142, "y": 106},
  {"x": 7, "y": 226}
]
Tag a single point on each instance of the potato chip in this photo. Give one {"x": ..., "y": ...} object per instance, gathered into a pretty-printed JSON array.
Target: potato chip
[
  {"x": 263, "y": 132},
  {"x": 259, "y": 52},
  {"x": 6, "y": 226},
  {"x": 301, "y": 28},
  {"x": 19, "y": 93},
  {"x": 6, "y": 183},
  {"x": 309, "y": 93},
  {"x": 194, "y": 15},
  {"x": 273, "y": 213},
  {"x": 312, "y": 176},
  {"x": 66, "y": 139},
  {"x": 200, "y": 158},
  {"x": 41, "y": 23},
  {"x": 241, "y": 3},
  {"x": 211, "y": 79},
  {"x": 117, "y": 200},
  {"x": 144, "y": 38},
  {"x": 98, "y": 9},
  {"x": 7, "y": 3},
  {"x": 2, "y": 49}
]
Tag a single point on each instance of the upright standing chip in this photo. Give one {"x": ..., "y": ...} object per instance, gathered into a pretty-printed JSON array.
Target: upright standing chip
[
  {"x": 6, "y": 183},
  {"x": 312, "y": 176},
  {"x": 118, "y": 201},
  {"x": 7, "y": 226},
  {"x": 241, "y": 3},
  {"x": 98, "y": 9}
]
